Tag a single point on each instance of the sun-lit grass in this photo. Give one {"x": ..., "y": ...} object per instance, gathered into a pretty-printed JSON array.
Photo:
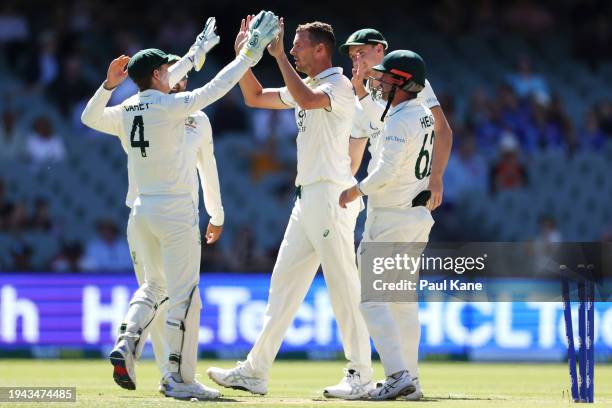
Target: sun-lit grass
[{"x": 300, "y": 384}]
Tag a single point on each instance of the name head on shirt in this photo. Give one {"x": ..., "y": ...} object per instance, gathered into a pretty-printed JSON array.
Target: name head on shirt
[
  {"x": 427, "y": 121},
  {"x": 137, "y": 107}
]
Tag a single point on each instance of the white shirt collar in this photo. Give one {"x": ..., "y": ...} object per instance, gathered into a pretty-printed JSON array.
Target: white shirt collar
[
  {"x": 402, "y": 105},
  {"x": 149, "y": 91},
  {"x": 324, "y": 74}
]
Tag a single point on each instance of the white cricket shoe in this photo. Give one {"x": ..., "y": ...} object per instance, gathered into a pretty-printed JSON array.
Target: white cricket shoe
[
  {"x": 161, "y": 388},
  {"x": 122, "y": 359},
  {"x": 351, "y": 387},
  {"x": 393, "y": 387},
  {"x": 414, "y": 396},
  {"x": 240, "y": 377},
  {"x": 418, "y": 392},
  {"x": 195, "y": 389}
]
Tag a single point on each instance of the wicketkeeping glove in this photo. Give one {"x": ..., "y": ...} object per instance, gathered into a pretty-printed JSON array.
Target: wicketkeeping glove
[
  {"x": 263, "y": 29},
  {"x": 205, "y": 41}
]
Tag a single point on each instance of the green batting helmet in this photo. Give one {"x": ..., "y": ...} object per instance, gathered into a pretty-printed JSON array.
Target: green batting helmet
[{"x": 406, "y": 67}]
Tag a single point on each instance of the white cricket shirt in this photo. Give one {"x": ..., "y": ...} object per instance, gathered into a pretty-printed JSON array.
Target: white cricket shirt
[
  {"x": 200, "y": 152},
  {"x": 367, "y": 122},
  {"x": 151, "y": 125},
  {"x": 401, "y": 164},
  {"x": 323, "y": 134}
]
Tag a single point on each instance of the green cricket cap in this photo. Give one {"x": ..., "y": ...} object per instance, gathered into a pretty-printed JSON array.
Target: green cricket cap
[
  {"x": 145, "y": 61},
  {"x": 362, "y": 37},
  {"x": 173, "y": 58}
]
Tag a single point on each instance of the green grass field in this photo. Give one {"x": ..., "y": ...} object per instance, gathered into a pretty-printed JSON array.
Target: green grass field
[{"x": 300, "y": 383}]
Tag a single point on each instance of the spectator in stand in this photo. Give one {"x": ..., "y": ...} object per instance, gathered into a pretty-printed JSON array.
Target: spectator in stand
[
  {"x": 12, "y": 143},
  {"x": 515, "y": 112},
  {"x": 524, "y": 82},
  {"x": 467, "y": 171},
  {"x": 41, "y": 220},
  {"x": 508, "y": 173},
  {"x": 14, "y": 30},
  {"x": 544, "y": 244},
  {"x": 108, "y": 252},
  {"x": 21, "y": 255},
  {"x": 69, "y": 259},
  {"x": 41, "y": 67},
  {"x": 528, "y": 17},
  {"x": 549, "y": 127},
  {"x": 273, "y": 123},
  {"x": 43, "y": 145},
  {"x": 17, "y": 221},
  {"x": 592, "y": 137},
  {"x": 70, "y": 87},
  {"x": 243, "y": 253},
  {"x": 229, "y": 114},
  {"x": 265, "y": 160},
  {"x": 604, "y": 115},
  {"x": 6, "y": 207}
]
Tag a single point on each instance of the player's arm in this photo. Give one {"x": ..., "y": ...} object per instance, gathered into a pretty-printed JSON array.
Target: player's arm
[
  {"x": 304, "y": 96},
  {"x": 209, "y": 179},
  {"x": 253, "y": 93},
  {"x": 209, "y": 176},
  {"x": 372, "y": 109},
  {"x": 356, "y": 149},
  {"x": 96, "y": 115},
  {"x": 195, "y": 57},
  {"x": 256, "y": 96},
  {"x": 387, "y": 167},
  {"x": 443, "y": 143},
  {"x": 185, "y": 103}
]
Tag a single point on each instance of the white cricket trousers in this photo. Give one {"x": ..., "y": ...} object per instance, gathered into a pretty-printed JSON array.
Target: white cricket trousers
[
  {"x": 395, "y": 327},
  {"x": 158, "y": 324},
  {"x": 319, "y": 233},
  {"x": 165, "y": 234}
]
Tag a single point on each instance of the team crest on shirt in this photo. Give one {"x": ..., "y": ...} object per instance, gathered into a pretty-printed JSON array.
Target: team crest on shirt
[
  {"x": 374, "y": 132},
  {"x": 300, "y": 121},
  {"x": 191, "y": 122}
]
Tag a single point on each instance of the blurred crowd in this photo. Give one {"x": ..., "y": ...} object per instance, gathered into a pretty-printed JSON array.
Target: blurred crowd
[{"x": 60, "y": 55}]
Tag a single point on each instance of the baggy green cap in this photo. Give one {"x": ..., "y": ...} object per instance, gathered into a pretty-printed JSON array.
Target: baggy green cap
[
  {"x": 145, "y": 61},
  {"x": 362, "y": 37},
  {"x": 173, "y": 58}
]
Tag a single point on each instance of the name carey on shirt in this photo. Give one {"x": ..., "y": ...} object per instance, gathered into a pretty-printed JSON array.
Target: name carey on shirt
[{"x": 137, "y": 107}]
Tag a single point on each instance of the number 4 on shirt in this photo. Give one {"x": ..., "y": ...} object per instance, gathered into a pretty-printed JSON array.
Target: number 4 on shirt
[{"x": 141, "y": 142}]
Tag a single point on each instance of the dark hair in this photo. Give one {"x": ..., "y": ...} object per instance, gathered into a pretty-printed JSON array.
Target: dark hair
[
  {"x": 320, "y": 33},
  {"x": 143, "y": 83}
]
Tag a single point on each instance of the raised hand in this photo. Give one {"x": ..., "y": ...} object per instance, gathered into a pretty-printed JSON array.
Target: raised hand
[
  {"x": 243, "y": 33},
  {"x": 117, "y": 72},
  {"x": 263, "y": 28},
  {"x": 359, "y": 75},
  {"x": 205, "y": 41},
  {"x": 276, "y": 48}
]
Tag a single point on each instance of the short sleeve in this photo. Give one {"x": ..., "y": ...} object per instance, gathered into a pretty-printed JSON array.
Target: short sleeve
[
  {"x": 358, "y": 129},
  {"x": 339, "y": 97},
  {"x": 427, "y": 96},
  {"x": 286, "y": 98}
]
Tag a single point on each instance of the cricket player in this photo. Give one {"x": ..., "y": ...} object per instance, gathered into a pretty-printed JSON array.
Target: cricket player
[
  {"x": 366, "y": 48},
  {"x": 397, "y": 193},
  {"x": 319, "y": 232},
  {"x": 164, "y": 216},
  {"x": 199, "y": 143}
]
